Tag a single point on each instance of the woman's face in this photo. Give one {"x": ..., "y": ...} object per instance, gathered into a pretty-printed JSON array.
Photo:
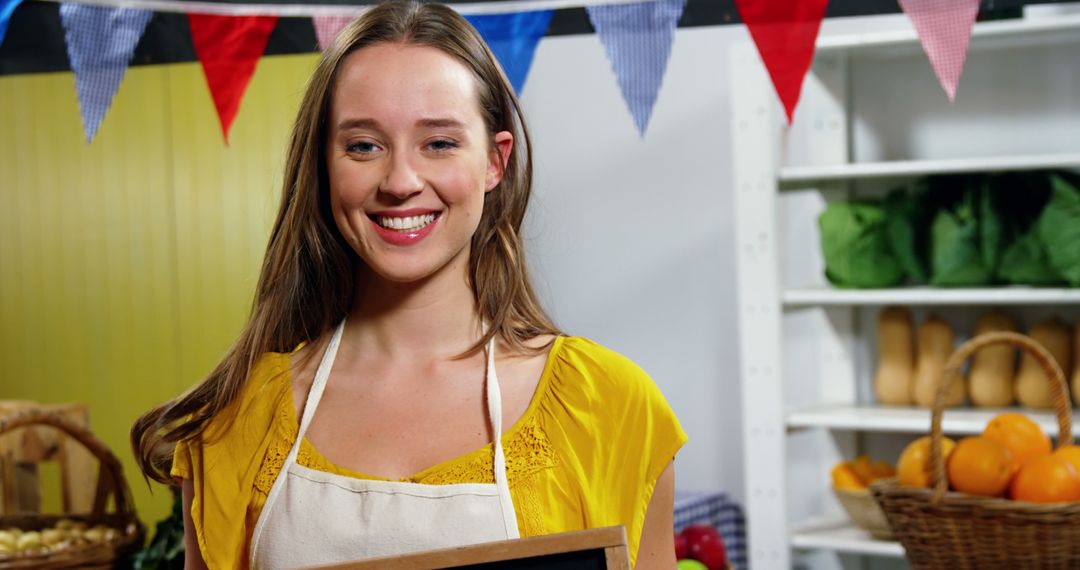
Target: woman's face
[{"x": 409, "y": 159}]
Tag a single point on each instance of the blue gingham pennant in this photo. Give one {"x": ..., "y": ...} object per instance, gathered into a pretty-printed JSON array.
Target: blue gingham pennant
[
  {"x": 100, "y": 43},
  {"x": 513, "y": 39},
  {"x": 637, "y": 38},
  {"x": 7, "y": 8}
]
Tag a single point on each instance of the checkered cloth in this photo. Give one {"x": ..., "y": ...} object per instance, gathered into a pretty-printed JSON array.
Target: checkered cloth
[
  {"x": 638, "y": 38},
  {"x": 100, "y": 43},
  {"x": 720, "y": 511},
  {"x": 944, "y": 28}
]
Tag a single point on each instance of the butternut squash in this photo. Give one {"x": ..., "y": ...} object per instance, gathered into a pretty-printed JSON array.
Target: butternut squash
[
  {"x": 896, "y": 356},
  {"x": 1075, "y": 384},
  {"x": 935, "y": 341},
  {"x": 1032, "y": 389},
  {"x": 993, "y": 368}
]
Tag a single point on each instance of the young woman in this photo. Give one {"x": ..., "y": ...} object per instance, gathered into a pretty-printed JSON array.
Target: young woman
[{"x": 398, "y": 387}]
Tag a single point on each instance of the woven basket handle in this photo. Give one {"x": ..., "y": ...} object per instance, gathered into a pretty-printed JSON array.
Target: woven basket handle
[
  {"x": 951, "y": 372},
  {"x": 110, "y": 477}
]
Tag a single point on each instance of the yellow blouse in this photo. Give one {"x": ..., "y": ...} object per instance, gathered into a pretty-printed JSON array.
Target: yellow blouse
[{"x": 586, "y": 453}]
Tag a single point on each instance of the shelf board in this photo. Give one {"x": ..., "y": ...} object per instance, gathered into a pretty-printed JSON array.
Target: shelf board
[
  {"x": 922, "y": 296},
  {"x": 841, "y": 536},
  {"x": 803, "y": 175},
  {"x": 1021, "y": 31},
  {"x": 898, "y": 419}
]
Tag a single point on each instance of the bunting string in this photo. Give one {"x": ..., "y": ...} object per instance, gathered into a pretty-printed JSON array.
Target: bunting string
[
  {"x": 230, "y": 38},
  {"x": 304, "y": 10}
]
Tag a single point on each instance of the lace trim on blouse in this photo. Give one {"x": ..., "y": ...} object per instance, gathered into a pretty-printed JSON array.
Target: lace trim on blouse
[{"x": 527, "y": 450}]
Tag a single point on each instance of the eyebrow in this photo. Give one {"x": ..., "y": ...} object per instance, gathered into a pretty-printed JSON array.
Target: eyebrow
[{"x": 440, "y": 123}]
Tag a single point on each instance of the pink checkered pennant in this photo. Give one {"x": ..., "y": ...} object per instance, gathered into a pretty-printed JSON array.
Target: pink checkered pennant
[
  {"x": 328, "y": 27},
  {"x": 944, "y": 28}
]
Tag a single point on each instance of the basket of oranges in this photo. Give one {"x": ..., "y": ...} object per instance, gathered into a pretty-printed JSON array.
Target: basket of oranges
[{"x": 1003, "y": 499}]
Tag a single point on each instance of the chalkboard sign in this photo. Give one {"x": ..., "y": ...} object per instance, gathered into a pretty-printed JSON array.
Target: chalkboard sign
[{"x": 594, "y": 549}]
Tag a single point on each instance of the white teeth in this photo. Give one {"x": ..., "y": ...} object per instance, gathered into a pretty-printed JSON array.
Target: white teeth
[{"x": 408, "y": 224}]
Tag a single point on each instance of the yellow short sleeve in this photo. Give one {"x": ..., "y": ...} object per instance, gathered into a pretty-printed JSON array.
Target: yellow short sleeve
[
  {"x": 616, "y": 431},
  {"x": 181, "y": 463},
  {"x": 224, "y": 460}
]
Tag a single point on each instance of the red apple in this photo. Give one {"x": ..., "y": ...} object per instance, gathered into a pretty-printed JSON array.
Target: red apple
[
  {"x": 682, "y": 548},
  {"x": 705, "y": 545}
]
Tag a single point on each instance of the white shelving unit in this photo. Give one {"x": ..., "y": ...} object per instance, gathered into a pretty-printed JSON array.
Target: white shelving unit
[
  {"x": 872, "y": 116},
  {"x": 895, "y": 419},
  {"x": 928, "y": 296}
]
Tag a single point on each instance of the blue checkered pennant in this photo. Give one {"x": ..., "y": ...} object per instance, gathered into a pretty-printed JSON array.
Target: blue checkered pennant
[
  {"x": 100, "y": 43},
  {"x": 637, "y": 38},
  {"x": 720, "y": 511}
]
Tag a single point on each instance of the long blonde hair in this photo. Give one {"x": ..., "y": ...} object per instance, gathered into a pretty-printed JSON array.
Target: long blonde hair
[{"x": 308, "y": 275}]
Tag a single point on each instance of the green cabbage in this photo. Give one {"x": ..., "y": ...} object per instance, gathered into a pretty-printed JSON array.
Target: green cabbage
[{"x": 856, "y": 250}]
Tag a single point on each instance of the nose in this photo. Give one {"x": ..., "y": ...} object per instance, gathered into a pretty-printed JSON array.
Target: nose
[{"x": 402, "y": 179}]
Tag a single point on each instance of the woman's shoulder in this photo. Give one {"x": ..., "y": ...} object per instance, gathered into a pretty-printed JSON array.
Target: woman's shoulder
[
  {"x": 591, "y": 376},
  {"x": 582, "y": 360},
  {"x": 256, "y": 406}
]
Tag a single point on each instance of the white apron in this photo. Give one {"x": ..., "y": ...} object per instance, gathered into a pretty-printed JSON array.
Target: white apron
[{"x": 313, "y": 517}]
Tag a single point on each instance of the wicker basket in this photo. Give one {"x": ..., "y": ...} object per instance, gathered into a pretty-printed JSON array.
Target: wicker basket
[
  {"x": 111, "y": 482},
  {"x": 941, "y": 529},
  {"x": 865, "y": 512}
]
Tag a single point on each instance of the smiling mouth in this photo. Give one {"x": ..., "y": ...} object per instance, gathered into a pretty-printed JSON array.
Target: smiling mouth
[{"x": 405, "y": 224}]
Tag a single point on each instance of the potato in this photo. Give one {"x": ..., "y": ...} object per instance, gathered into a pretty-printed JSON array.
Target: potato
[
  {"x": 95, "y": 535},
  {"x": 28, "y": 540},
  {"x": 65, "y": 524},
  {"x": 51, "y": 536},
  {"x": 7, "y": 539}
]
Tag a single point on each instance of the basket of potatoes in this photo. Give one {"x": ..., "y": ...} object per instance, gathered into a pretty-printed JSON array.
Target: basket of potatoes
[{"x": 98, "y": 539}]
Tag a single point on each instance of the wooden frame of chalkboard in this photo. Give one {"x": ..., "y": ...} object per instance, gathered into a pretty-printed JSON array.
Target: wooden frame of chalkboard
[{"x": 593, "y": 549}]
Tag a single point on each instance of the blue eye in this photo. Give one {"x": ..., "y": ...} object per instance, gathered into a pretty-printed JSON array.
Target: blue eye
[
  {"x": 442, "y": 145},
  {"x": 361, "y": 147}
]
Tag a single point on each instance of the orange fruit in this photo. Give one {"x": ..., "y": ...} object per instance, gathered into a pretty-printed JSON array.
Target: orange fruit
[
  {"x": 863, "y": 469},
  {"x": 980, "y": 466},
  {"x": 844, "y": 477},
  {"x": 1070, "y": 453},
  {"x": 1046, "y": 479},
  {"x": 883, "y": 469},
  {"x": 913, "y": 468},
  {"x": 1020, "y": 434}
]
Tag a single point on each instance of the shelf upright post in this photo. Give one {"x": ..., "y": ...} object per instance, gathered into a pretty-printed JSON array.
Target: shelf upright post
[{"x": 755, "y": 131}]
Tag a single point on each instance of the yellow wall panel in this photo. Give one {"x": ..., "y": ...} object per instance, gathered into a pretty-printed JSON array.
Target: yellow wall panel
[{"x": 127, "y": 265}]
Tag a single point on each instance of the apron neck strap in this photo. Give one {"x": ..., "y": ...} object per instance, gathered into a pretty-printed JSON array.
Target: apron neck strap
[{"x": 319, "y": 384}]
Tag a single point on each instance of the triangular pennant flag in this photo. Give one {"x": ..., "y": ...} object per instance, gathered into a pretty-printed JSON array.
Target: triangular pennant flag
[
  {"x": 7, "y": 8},
  {"x": 513, "y": 39},
  {"x": 228, "y": 48},
  {"x": 328, "y": 27},
  {"x": 637, "y": 38},
  {"x": 785, "y": 33},
  {"x": 100, "y": 42},
  {"x": 944, "y": 28}
]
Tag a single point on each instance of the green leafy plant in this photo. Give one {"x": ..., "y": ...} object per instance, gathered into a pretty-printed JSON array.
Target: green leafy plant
[
  {"x": 166, "y": 550},
  {"x": 959, "y": 230},
  {"x": 856, "y": 249},
  {"x": 1059, "y": 228}
]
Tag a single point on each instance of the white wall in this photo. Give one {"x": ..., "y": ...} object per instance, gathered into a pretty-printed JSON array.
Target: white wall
[{"x": 630, "y": 238}]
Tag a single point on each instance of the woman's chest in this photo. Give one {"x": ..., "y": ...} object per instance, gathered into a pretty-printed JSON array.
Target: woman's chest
[{"x": 399, "y": 429}]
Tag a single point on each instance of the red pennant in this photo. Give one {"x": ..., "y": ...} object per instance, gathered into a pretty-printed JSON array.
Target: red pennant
[
  {"x": 228, "y": 48},
  {"x": 784, "y": 32}
]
